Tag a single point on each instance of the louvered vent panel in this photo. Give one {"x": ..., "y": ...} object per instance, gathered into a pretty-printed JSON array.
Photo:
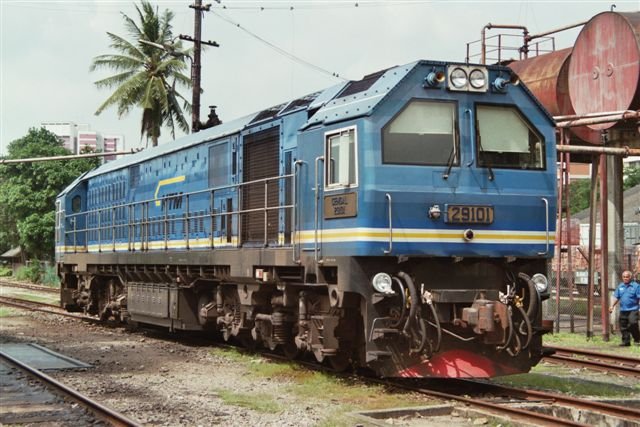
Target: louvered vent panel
[{"x": 260, "y": 160}]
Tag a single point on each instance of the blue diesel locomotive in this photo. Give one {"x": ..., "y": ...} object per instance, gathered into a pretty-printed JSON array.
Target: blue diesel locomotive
[{"x": 403, "y": 222}]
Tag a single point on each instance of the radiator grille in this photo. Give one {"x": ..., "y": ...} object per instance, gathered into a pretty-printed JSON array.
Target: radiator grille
[{"x": 260, "y": 160}]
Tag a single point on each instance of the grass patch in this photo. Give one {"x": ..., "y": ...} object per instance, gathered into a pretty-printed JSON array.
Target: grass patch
[
  {"x": 260, "y": 402},
  {"x": 37, "y": 298},
  {"x": 340, "y": 395},
  {"x": 7, "y": 312},
  {"x": 595, "y": 343},
  {"x": 574, "y": 386},
  {"x": 234, "y": 355}
]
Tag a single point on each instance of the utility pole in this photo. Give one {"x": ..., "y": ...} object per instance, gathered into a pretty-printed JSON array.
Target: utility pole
[{"x": 199, "y": 9}]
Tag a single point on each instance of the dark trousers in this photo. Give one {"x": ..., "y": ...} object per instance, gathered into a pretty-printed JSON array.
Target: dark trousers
[{"x": 629, "y": 326}]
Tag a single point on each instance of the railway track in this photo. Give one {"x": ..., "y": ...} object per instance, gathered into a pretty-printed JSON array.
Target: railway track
[
  {"x": 29, "y": 286},
  {"x": 44, "y": 308},
  {"x": 622, "y": 365},
  {"x": 499, "y": 400},
  {"x": 42, "y": 405},
  {"x": 521, "y": 404}
]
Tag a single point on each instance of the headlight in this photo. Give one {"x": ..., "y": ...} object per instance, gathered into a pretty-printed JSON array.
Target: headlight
[
  {"x": 541, "y": 282},
  {"x": 458, "y": 78},
  {"x": 382, "y": 283},
  {"x": 477, "y": 79}
]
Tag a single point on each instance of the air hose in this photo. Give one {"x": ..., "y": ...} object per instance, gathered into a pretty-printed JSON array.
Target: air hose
[{"x": 415, "y": 300}]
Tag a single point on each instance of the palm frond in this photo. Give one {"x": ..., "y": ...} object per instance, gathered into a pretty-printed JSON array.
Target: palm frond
[
  {"x": 131, "y": 26},
  {"x": 114, "y": 80},
  {"x": 126, "y": 95},
  {"x": 123, "y": 45},
  {"x": 176, "y": 111},
  {"x": 116, "y": 62}
]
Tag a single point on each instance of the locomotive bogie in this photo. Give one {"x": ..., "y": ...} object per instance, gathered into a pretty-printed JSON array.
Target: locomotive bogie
[{"x": 399, "y": 223}]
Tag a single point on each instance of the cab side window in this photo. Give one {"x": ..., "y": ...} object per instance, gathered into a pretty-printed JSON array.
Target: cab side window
[{"x": 340, "y": 158}]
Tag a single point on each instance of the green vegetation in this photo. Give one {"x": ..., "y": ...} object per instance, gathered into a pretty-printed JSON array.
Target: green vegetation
[
  {"x": 28, "y": 192},
  {"x": 34, "y": 296},
  {"x": 48, "y": 277},
  {"x": 30, "y": 273},
  {"x": 595, "y": 343},
  {"x": 580, "y": 190},
  {"x": 5, "y": 272},
  {"x": 344, "y": 394},
  {"x": 573, "y": 386},
  {"x": 35, "y": 273},
  {"x": 147, "y": 76},
  {"x": 7, "y": 312},
  {"x": 260, "y": 402}
]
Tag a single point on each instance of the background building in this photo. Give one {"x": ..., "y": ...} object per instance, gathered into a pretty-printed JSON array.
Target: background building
[{"x": 79, "y": 137}]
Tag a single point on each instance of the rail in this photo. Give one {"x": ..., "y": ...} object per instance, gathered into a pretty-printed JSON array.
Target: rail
[
  {"x": 617, "y": 364},
  {"x": 112, "y": 417},
  {"x": 131, "y": 224}
]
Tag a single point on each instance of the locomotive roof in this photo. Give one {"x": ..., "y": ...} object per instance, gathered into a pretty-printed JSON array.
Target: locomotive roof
[{"x": 343, "y": 101}]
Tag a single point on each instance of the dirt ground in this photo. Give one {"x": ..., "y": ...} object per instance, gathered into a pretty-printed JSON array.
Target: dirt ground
[
  {"x": 162, "y": 379},
  {"x": 152, "y": 379}
]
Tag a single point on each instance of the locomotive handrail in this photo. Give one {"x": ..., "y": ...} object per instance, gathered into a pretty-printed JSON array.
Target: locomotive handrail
[
  {"x": 316, "y": 248},
  {"x": 390, "y": 212},
  {"x": 472, "y": 137},
  {"x": 296, "y": 257},
  {"x": 546, "y": 212},
  {"x": 145, "y": 222},
  {"x": 192, "y": 193}
]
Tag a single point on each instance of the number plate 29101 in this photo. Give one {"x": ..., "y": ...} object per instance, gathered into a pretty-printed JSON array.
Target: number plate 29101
[{"x": 461, "y": 214}]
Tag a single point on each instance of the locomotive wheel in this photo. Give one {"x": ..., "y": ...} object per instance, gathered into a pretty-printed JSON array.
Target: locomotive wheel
[
  {"x": 290, "y": 350},
  {"x": 340, "y": 362},
  {"x": 226, "y": 333},
  {"x": 247, "y": 342}
]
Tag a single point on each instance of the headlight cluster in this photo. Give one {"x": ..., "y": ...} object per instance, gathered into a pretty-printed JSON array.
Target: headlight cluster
[
  {"x": 541, "y": 282},
  {"x": 468, "y": 78},
  {"x": 382, "y": 283}
]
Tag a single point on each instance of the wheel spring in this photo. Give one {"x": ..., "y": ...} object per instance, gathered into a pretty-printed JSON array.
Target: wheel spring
[{"x": 281, "y": 329}]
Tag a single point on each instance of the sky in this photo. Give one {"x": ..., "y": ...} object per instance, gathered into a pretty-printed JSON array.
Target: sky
[{"x": 270, "y": 51}]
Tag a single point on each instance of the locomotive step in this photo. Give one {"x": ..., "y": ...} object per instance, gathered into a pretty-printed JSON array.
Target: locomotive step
[
  {"x": 379, "y": 333},
  {"x": 377, "y": 354}
]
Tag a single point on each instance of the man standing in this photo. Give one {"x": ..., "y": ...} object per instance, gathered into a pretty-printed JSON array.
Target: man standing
[{"x": 628, "y": 295}]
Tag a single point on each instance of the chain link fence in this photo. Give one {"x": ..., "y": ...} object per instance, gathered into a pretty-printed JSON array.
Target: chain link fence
[{"x": 568, "y": 305}]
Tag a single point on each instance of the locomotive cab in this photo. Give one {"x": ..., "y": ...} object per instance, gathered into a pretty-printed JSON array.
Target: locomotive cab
[{"x": 436, "y": 208}]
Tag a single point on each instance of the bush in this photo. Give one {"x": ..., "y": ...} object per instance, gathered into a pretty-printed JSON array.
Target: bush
[
  {"x": 31, "y": 272},
  {"x": 50, "y": 278},
  {"x": 5, "y": 272}
]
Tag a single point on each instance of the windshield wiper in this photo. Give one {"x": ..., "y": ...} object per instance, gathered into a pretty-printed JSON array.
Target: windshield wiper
[
  {"x": 481, "y": 151},
  {"x": 452, "y": 158}
]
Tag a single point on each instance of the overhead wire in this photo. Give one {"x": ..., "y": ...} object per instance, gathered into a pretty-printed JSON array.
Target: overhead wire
[{"x": 278, "y": 49}]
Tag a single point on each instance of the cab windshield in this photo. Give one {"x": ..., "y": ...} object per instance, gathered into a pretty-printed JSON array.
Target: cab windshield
[
  {"x": 424, "y": 133},
  {"x": 505, "y": 140}
]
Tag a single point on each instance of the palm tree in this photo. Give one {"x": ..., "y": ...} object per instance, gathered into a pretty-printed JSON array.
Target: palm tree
[{"x": 146, "y": 76}]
